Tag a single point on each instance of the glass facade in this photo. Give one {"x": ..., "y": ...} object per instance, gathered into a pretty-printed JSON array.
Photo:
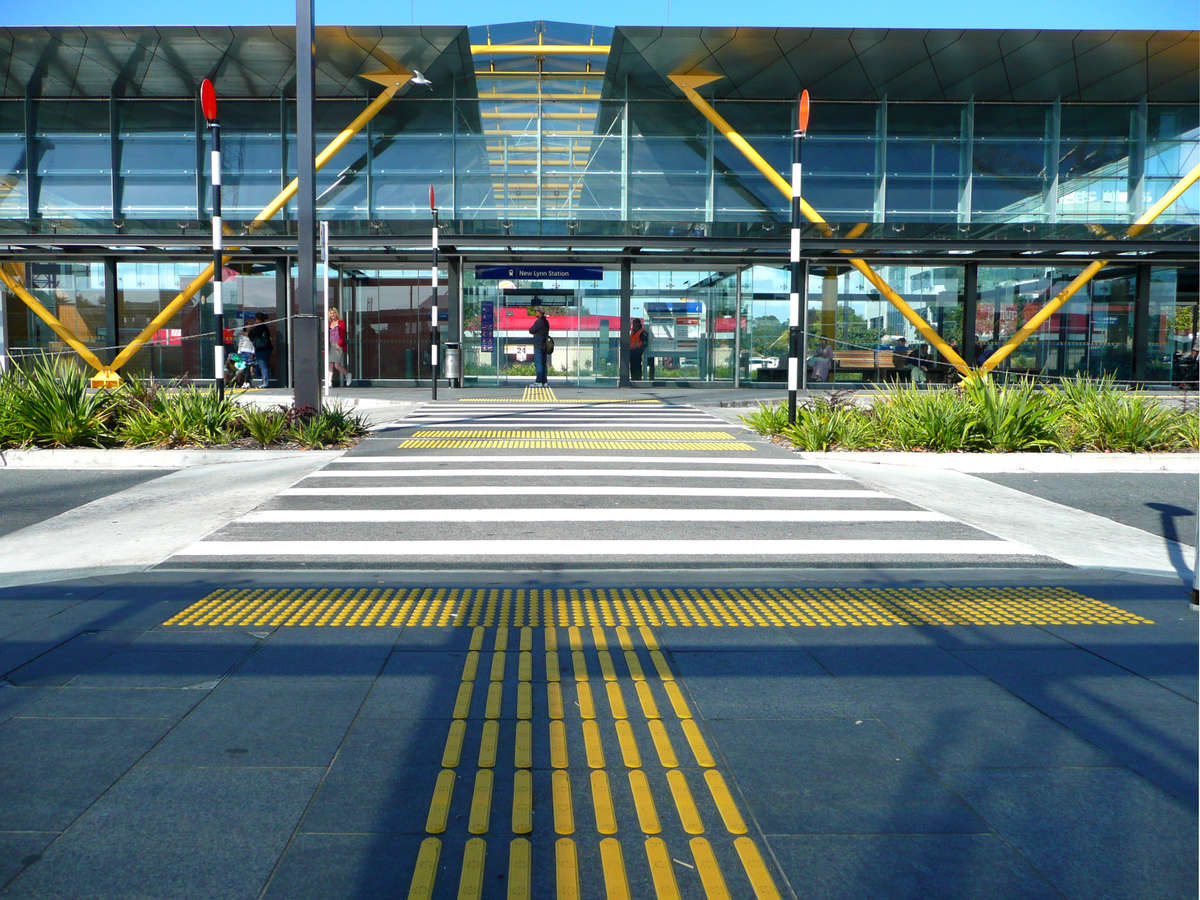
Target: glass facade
[{"x": 531, "y": 133}]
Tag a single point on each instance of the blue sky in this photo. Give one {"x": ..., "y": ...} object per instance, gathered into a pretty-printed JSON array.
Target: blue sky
[{"x": 1142, "y": 14}]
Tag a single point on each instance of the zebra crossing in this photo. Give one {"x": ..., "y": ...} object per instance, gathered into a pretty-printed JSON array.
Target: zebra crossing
[{"x": 521, "y": 486}]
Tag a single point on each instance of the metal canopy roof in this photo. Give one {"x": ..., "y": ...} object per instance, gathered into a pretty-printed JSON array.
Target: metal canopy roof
[
  {"x": 916, "y": 64},
  {"x": 244, "y": 62}
]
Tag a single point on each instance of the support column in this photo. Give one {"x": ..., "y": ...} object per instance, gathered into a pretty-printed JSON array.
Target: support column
[
  {"x": 1141, "y": 323},
  {"x": 454, "y": 327},
  {"x": 626, "y": 303},
  {"x": 305, "y": 328},
  {"x": 112, "y": 317},
  {"x": 970, "y": 309},
  {"x": 283, "y": 330},
  {"x": 829, "y": 296}
]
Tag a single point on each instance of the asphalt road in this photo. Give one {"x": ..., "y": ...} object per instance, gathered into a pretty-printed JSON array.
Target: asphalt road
[
  {"x": 28, "y": 496},
  {"x": 1162, "y": 504}
]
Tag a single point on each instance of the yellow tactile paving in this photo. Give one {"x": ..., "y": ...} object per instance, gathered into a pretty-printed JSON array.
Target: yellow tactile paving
[
  {"x": 678, "y": 607},
  {"x": 522, "y": 444},
  {"x": 585, "y": 434},
  {"x": 579, "y": 401}
]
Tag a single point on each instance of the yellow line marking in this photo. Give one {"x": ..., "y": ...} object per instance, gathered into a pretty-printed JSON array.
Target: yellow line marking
[
  {"x": 660, "y": 664},
  {"x": 497, "y": 673},
  {"x": 552, "y": 667},
  {"x": 481, "y": 802},
  {"x": 454, "y": 741},
  {"x": 643, "y": 801},
  {"x": 661, "y": 869},
  {"x": 520, "y": 862},
  {"x": 558, "y": 745},
  {"x": 523, "y": 746},
  {"x": 707, "y": 446},
  {"x": 624, "y": 639},
  {"x": 646, "y": 698},
  {"x": 471, "y": 666},
  {"x": 488, "y": 744},
  {"x": 439, "y": 806},
  {"x": 470, "y": 885},
  {"x": 581, "y": 402},
  {"x": 677, "y": 702},
  {"x": 522, "y": 812},
  {"x": 635, "y": 666},
  {"x": 462, "y": 703},
  {"x": 566, "y": 869},
  {"x": 756, "y": 869},
  {"x": 606, "y": 817},
  {"x": 425, "y": 872},
  {"x": 494, "y": 696},
  {"x": 710, "y": 871},
  {"x": 629, "y": 750},
  {"x": 696, "y": 742},
  {"x": 525, "y": 666},
  {"x": 564, "y": 818},
  {"x": 551, "y": 638},
  {"x": 591, "y": 743},
  {"x": 616, "y": 885},
  {"x": 616, "y": 700},
  {"x": 662, "y": 744},
  {"x": 574, "y": 639},
  {"x": 524, "y": 700},
  {"x": 606, "y": 665},
  {"x": 534, "y": 434},
  {"x": 587, "y": 708},
  {"x": 689, "y": 815},
  {"x": 599, "y": 641},
  {"x": 724, "y": 802},
  {"x": 579, "y": 664},
  {"x": 554, "y": 701}
]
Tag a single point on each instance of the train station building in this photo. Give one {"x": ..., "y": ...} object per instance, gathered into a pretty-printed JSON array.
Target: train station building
[{"x": 605, "y": 174}]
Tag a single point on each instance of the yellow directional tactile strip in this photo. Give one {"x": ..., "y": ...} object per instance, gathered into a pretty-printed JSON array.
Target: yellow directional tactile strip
[
  {"x": 580, "y": 401},
  {"x": 670, "y": 607},
  {"x": 520, "y": 444},
  {"x": 636, "y": 791},
  {"x": 540, "y": 393},
  {"x": 598, "y": 434}
]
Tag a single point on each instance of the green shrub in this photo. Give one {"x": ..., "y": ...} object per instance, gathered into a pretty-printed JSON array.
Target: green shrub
[
  {"x": 176, "y": 417},
  {"x": 332, "y": 426},
  {"x": 266, "y": 426},
  {"x": 769, "y": 418},
  {"x": 1012, "y": 417},
  {"x": 51, "y": 404},
  {"x": 827, "y": 424},
  {"x": 1129, "y": 422},
  {"x": 909, "y": 418}
]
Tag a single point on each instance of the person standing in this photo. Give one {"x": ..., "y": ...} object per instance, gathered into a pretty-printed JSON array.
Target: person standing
[
  {"x": 540, "y": 329},
  {"x": 822, "y": 361},
  {"x": 637, "y": 349},
  {"x": 337, "y": 347},
  {"x": 900, "y": 360},
  {"x": 260, "y": 336}
]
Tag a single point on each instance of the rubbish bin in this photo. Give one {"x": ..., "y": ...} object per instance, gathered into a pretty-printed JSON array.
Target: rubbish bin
[{"x": 452, "y": 364}]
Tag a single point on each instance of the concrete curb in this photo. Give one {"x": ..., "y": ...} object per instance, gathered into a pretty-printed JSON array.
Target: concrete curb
[
  {"x": 982, "y": 463},
  {"x": 95, "y": 458}
]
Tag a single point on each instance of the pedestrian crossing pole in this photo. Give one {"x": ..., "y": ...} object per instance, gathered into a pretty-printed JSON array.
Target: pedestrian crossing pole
[
  {"x": 433, "y": 345},
  {"x": 798, "y": 305},
  {"x": 208, "y": 105}
]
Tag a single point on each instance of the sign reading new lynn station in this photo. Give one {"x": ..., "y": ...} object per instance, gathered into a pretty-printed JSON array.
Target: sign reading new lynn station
[{"x": 547, "y": 273}]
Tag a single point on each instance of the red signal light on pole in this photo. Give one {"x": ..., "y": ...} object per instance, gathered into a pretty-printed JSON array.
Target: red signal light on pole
[
  {"x": 802, "y": 118},
  {"x": 208, "y": 100},
  {"x": 432, "y": 204}
]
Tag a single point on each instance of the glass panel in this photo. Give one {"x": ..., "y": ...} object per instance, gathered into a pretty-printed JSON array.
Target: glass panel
[
  {"x": 1174, "y": 308},
  {"x": 251, "y": 157},
  {"x": 74, "y": 161},
  {"x": 14, "y": 172},
  {"x": 158, "y": 159},
  {"x": 387, "y": 317},
  {"x": 74, "y": 293},
  {"x": 176, "y": 350}
]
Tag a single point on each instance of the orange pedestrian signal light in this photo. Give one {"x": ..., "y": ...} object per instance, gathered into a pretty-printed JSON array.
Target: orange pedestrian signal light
[
  {"x": 802, "y": 118},
  {"x": 208, "y": 100}
]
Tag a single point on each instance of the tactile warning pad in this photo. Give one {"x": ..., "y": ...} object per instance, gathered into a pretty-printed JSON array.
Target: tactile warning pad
[{"x": 670, "y": 607}]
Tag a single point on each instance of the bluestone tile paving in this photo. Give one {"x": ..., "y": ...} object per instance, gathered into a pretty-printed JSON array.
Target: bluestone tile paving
[
  {"x": 123, "y": 703},
  {"x": 903, "y": 866},
  {"x": 149, "y": 834},
  {"x": 159, "y": 667},
  {"x": 19, "y": 849},
  {"x": 348, "y": 865},
  {"x": 1092, "y": 832},
  {"x": 835, "y": 775},
  {"x": 54, "y": 768}
]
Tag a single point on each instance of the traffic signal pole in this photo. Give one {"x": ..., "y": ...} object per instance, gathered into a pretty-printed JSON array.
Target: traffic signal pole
[{"x": 797, "y": 329}]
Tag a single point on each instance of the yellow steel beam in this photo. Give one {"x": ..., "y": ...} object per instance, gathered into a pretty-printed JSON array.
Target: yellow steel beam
[
  {"x": 688, "y": 84},
  {"x": 546, "y": 148},
  {"x": 539, "y": 49},
  {"x": 517, "y": 114},
  {"x": 1088, "y": 273},
  {"x": 508, "y": 95},
  {"x": 545, "y": 76},
  {"x": 392, "y": 82},
  {"x": 12, "y": 281}
]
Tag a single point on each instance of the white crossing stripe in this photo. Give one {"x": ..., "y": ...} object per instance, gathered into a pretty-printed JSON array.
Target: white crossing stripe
[
  {"x": 542, "y": 549},
  {"x": 542, "y": 489},
  {"x": 571, "y": 514},
  {"x": 716, "y": 464}
]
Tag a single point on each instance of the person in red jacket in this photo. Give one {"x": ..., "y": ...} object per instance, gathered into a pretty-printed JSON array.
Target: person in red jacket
[
  {"x": 637, "y": 348},
  {"x": 337, "y": 347}
]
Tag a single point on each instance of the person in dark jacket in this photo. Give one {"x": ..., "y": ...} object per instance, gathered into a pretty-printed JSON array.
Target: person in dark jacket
[
  {"x": 260, "y": 336},
  {"x": 540, "y": 329},
  {"x": 637, "y": 348}
]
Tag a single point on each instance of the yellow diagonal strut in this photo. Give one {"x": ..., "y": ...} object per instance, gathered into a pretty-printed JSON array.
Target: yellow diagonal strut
[
  {"x": 106, "y": 375},
  {"x": 1089, "y": 273},
  {"x": 688, "y": 84}
]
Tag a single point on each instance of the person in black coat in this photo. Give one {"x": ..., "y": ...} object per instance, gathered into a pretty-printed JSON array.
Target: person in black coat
[{"x": 540, "y": 329}]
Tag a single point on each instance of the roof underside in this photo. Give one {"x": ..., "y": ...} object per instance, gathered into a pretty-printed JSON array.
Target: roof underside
[{"x": 756, "y": 63}]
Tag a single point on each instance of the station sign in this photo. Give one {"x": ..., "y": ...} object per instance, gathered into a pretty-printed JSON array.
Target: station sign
[
  {"x": 538, "y": 297},
  {"x": 547, "y": 273}
]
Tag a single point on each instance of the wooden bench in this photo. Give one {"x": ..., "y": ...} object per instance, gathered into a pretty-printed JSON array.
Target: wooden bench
[{"x": 873, "y": 361}]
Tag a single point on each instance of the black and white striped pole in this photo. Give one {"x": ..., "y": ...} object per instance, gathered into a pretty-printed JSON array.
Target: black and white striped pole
[
  {"x": 797, "y": 369},
  {"x": 208, "y": 105},
  {"x": 433, "y": 345}
]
